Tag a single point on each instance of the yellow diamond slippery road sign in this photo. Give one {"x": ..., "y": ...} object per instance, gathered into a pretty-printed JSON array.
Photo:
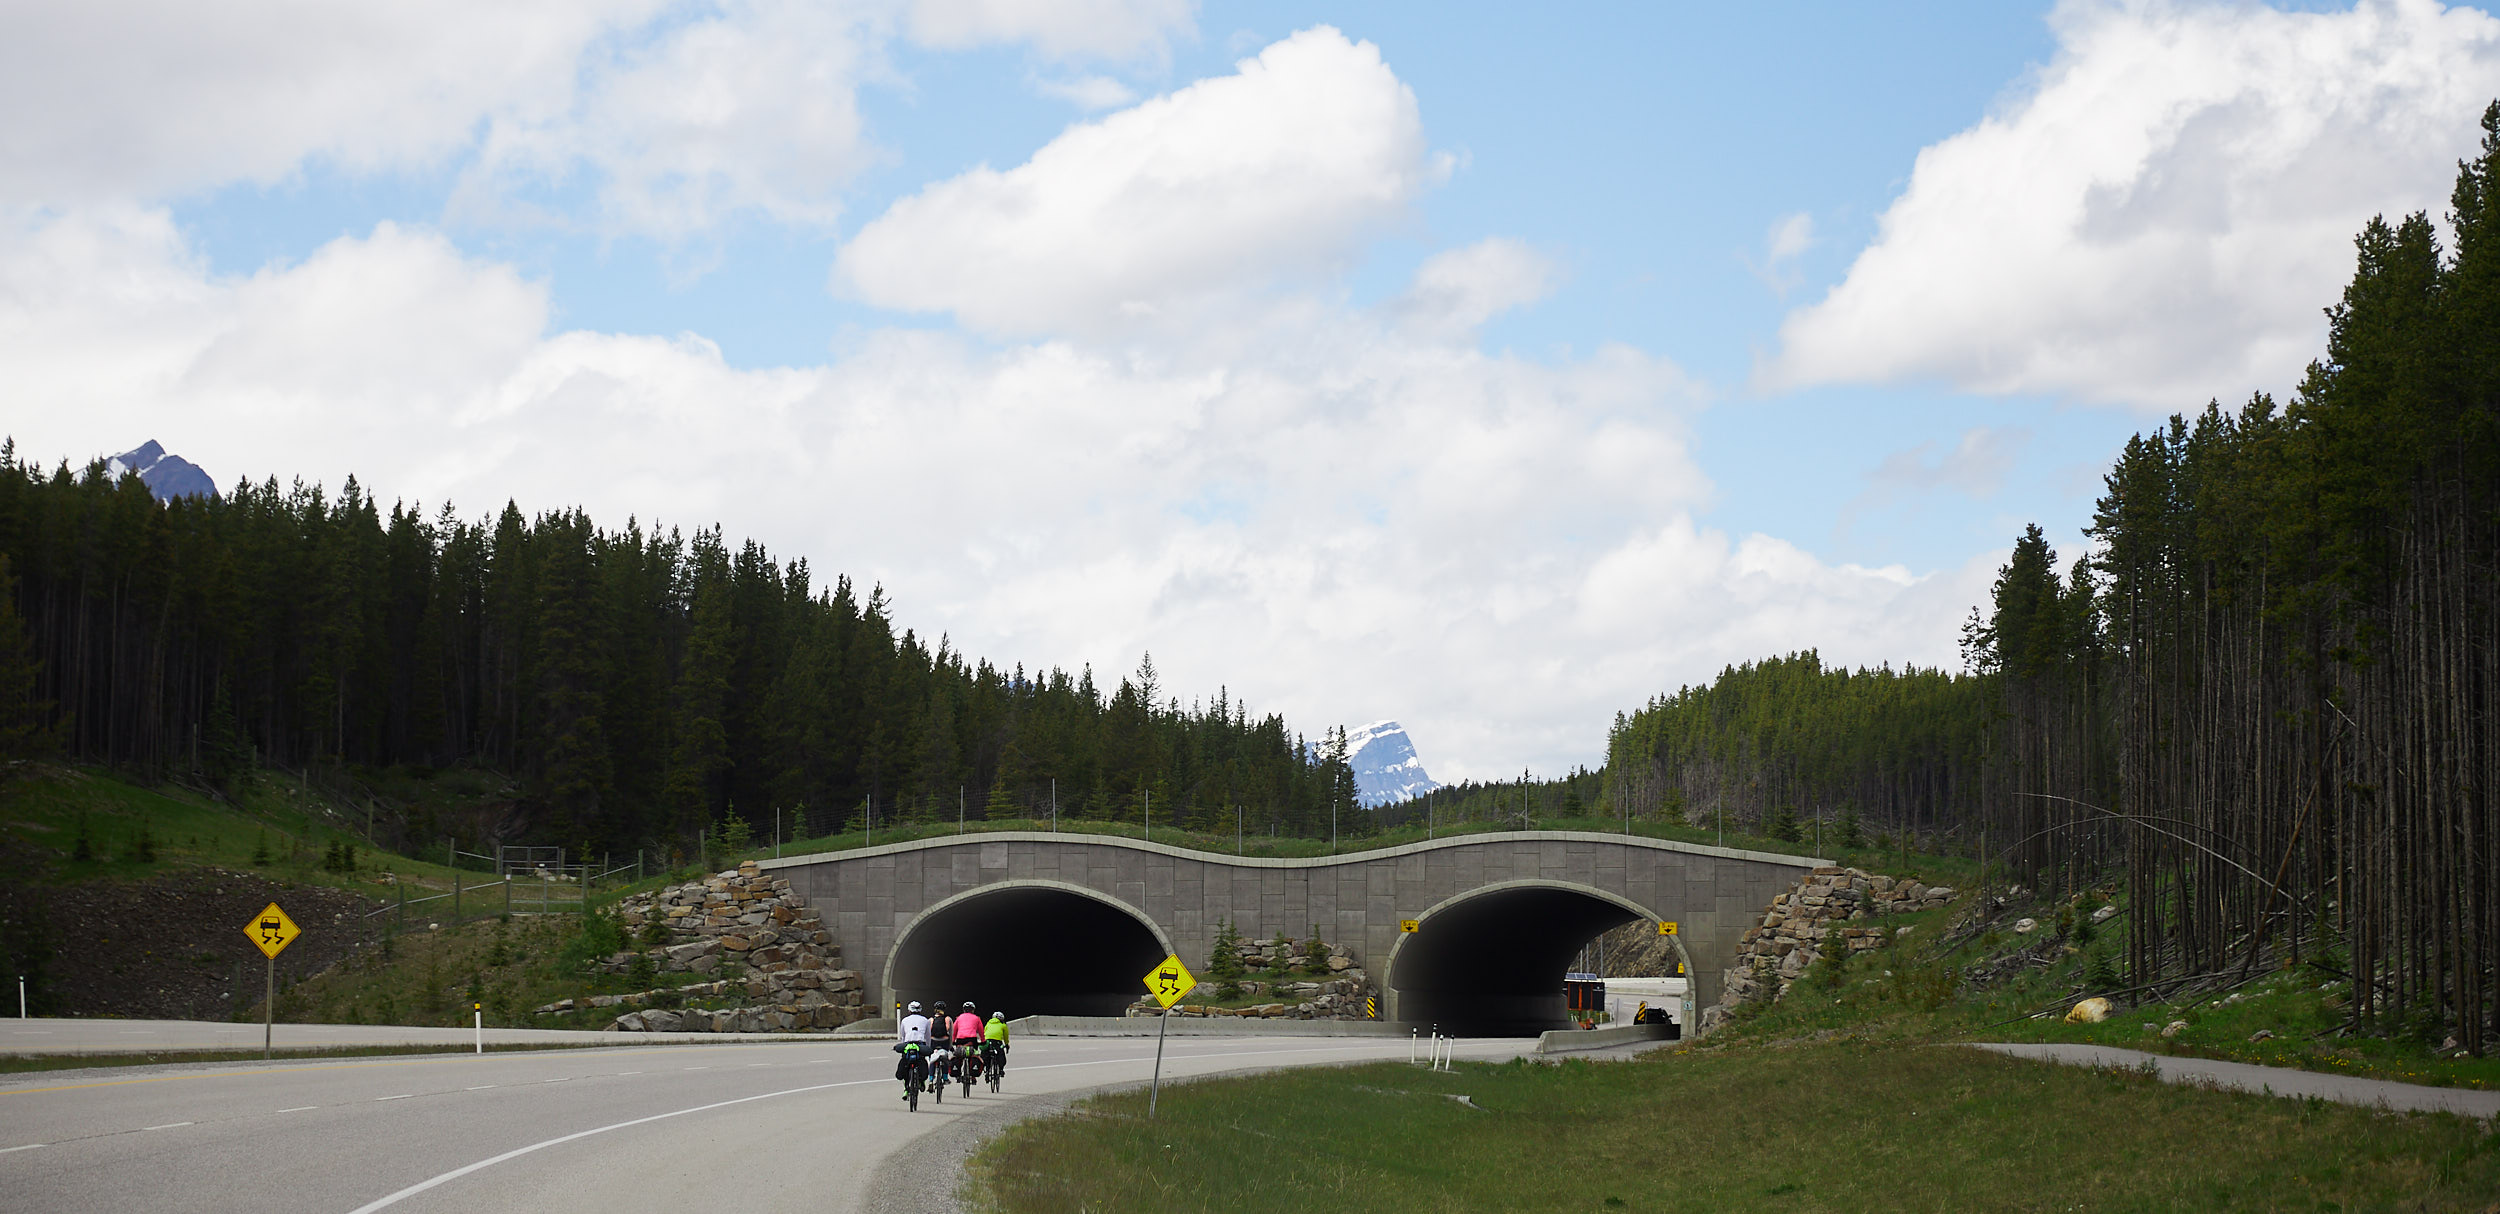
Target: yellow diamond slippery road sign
[
  {"x": 272, "y": 931},
  {"x": 1666, "y": 927},
  {"x": 1169, "y": 981}
]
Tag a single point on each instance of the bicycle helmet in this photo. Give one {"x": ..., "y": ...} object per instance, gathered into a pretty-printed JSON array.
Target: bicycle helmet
[
  {"x": 998, "y": 1015},
  {"x": 915, "y": 1007},
  {"x": 968, "y": 1005}
]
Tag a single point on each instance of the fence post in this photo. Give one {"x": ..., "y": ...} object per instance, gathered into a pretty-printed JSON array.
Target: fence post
[
  {"x": 455, "y": 897},
  {"x": 507, "y": 897}
]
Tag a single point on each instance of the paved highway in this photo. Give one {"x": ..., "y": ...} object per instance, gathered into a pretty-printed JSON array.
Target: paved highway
[{"x": 766, "y": 1126}]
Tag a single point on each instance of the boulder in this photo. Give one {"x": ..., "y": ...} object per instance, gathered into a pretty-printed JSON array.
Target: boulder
[
  {"x": 2173, "y": 1029},
  {"x": 2024, "y": 927},
  {"x": 2091, "y": 1011}
]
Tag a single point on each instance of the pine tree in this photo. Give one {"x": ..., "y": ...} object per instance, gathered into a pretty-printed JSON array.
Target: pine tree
[{"x": 26, "y": 728}]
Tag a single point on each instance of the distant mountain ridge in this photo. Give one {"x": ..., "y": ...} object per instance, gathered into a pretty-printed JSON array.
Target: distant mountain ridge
[
  {"x": 1386, "y": 768},
  {"x": 167, "y": 476}
]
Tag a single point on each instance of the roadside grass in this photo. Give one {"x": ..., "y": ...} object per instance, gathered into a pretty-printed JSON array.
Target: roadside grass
[
  {"x": 270, "y": 825},
  {"x": 1802, "y": 1127},
  {"x": 432, "y": 976},
  {"x": 1909, "y": 993}
]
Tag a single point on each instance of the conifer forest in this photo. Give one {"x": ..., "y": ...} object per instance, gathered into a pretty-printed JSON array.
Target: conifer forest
[
  {"x": 640, "y": 687},
  {"x": 2266, "y": 699}
]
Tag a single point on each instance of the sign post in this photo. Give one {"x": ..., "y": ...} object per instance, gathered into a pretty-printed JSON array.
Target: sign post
[
  {"x": 270, "y": 931},
  {"x": 1167, "y": 982}
]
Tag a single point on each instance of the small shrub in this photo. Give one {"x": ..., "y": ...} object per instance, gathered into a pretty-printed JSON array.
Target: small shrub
[
  {"x": 143, "y": 849},
  {"x": 1831, "y": 958},
  {"x": 1784, "y": 827},
  {"x": 1224, "y": 963},
  {"x": 260, "y": 850},
  {"x": 2101, "y": 972},
  {"x": 643, "y": 975},
  {"x": 654, "y": 928},
  {"x": 1851, "y": 836}
]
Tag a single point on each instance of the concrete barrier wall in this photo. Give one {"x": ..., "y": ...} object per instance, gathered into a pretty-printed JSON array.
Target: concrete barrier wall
[
  {"x": 1564, "y": 1041},
  {"x": 1199, "y": 1026}
]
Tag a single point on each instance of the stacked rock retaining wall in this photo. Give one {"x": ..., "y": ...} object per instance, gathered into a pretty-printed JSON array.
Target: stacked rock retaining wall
[
  {"x": 783, "y": 960},
  {"x": 1775, "y": 952}
]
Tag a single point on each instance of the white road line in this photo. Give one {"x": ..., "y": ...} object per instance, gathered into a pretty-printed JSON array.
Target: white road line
[
  {"x": 170, "y": 1125},
  {"x": 622, "y": 1074},
  {"x": 456, "y": 1173},
  {"x": 28, "y": 1147},
  {"x": 757, "y": 1064},
  {"x": 481, "y": 1087},
  {"x": 698, "y": 1068},
  {"x": 401, "y": 1096},
  {"x": 301, "y": 1108}
]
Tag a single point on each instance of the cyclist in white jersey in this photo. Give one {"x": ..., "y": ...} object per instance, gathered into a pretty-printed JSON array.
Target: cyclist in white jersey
[{"x": 914, "y": 1026}]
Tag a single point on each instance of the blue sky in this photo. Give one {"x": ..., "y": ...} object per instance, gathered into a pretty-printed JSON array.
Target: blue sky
[{"x": 1466, "y": 365}]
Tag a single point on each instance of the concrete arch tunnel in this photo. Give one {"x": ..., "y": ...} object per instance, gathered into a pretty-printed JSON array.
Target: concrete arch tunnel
[
  {"x": 1032, "y": 922},
  {"x": 1030, "y": 947},
  {"x": 1490, "y": 962}
]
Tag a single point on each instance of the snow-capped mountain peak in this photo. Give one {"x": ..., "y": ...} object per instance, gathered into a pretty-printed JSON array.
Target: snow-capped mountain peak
[
  {"x": 1386, "y": 768},
  {"x": 167, "y": 476}
]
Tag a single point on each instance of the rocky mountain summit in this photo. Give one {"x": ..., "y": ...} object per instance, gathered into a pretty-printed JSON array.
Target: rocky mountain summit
[
  {"x": 1386, "y": 768},
  {"x": 167, "y": 476}
]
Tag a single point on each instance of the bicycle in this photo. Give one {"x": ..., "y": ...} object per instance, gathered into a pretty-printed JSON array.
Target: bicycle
[
  {"x": 915, "y": 1073},
  {"x": 968, "y": 1068},
  {"x": 941, "y": 1062},
  {"x": 994, "y": 1061}
]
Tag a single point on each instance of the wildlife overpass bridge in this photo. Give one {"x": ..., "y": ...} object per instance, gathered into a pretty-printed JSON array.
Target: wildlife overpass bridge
[{"x": 1067, "y": 924}]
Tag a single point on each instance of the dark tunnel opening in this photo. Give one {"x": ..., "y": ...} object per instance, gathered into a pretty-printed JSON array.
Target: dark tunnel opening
[
  {"x": 1027, "y": 950},
  {"x": 1493, "y": 965}
]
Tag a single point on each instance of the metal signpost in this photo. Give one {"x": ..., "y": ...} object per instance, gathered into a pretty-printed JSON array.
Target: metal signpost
[
  {"x": 271, "y": 931},
  {"x": 1167, "y": 982}
]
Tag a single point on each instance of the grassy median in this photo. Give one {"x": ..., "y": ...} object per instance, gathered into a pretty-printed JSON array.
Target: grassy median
[{"x": 1797, "y": 1127}]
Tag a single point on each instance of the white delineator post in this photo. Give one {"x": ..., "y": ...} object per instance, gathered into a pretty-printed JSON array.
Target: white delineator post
[{"x": 479, "y": 1010}]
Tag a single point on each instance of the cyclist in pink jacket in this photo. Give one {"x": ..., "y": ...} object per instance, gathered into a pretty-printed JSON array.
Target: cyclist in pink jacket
[{"x": 968, "y": 1024}]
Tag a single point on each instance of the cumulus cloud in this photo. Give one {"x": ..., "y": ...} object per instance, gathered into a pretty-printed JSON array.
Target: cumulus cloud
[
  {"x": 1086, "y": 92},
  {"x": 122, "y": 98},
  {"x": 669, "y": 116},
  {"x": 2160, "y": 218},
  {"x": 1456, "y": 290},
  {"x": 1789, "y": 238},
  {"x": 1059, "y": 28},
  {"x": 1975, "y": 465},
  {"x": 1145, "y": 216},
  {"x": 1362, "y": 521},
  {"x": 752, "y": 106}
]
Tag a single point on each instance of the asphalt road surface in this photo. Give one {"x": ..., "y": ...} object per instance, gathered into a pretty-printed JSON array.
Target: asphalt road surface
[
  {"x": 764, "y": 1126},
  {"x": 66, "y": 1036}
]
